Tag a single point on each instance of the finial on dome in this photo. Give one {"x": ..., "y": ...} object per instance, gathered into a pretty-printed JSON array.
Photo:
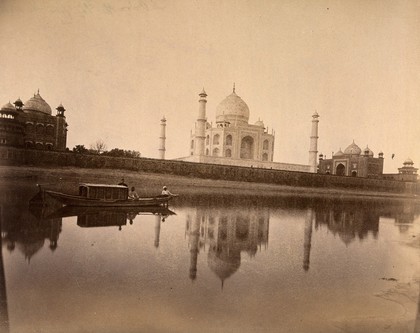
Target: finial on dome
[{"x": 234, "y": 87}]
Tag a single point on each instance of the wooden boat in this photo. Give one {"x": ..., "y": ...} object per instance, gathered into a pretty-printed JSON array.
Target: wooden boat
[{"x": 102, "y": 195}]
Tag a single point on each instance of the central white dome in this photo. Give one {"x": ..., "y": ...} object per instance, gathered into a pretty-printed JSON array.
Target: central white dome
[{"x": 232, "y": 109}]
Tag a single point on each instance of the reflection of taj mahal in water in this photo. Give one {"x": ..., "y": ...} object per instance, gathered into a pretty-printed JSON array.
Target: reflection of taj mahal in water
[
  {"x": 226, "y": 234},
  {"x": 353, "y": 221}
]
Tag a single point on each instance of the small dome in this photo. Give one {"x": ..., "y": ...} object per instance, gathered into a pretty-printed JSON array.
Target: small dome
[
  {"x": 18, "y": 103},
  {"x": 60, "y": 108},
  {"x": 37, "y": 103},
  {"x": 8, "y": 107},
  {"x": 353, "y": 149},
  {"x": 259, "y": 123},
  {"x": 339, "y": 153},
  {"x": 232, "y": 109},
  {"x": 408, "y": 161},
  {"x": 368, "y": 151}
]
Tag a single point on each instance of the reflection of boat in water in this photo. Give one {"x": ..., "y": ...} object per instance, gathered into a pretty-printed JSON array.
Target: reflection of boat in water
[
  {"x": 100, "y": 216},
  {"x": 68, "y": 211},
  {"x": 89, "y": 218},
  {"x": 101, "y": 195}
]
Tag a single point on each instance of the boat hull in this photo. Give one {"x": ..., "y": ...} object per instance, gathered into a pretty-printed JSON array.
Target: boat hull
[{"x": 75, "y": 200}]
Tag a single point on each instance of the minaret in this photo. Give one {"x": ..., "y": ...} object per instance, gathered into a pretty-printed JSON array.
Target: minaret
[
  {"x": 60, "y": 110},
  {"x": 194, "y": 246},
  {"x": 417, "y": 324},
  {"x": 307, "y": 239},
  {"x": 18, "y": 104},
  {"x": 157, "y": 230},
  {"x": 313, "y": 149},
  {"x": 4, "y": 313},
  {"x": 61, "y": 128},
  {"x": 162, "y": 138},
  {"x": 200, "y": 125}
]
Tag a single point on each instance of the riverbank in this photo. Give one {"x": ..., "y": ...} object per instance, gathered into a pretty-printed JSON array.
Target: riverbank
[
  {"x": 55, "y": 159},
  {"x": 147, "y": 183}
]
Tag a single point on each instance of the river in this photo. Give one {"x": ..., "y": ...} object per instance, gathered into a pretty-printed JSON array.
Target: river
[{"x": 213, "y": 264}]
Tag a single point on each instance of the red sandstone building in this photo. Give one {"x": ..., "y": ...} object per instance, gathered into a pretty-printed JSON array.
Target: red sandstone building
[
  {"x": 352, "y": 162},
  {"x": 408, "y": 173},
  {"x": 32, "y": 125},
  {"x": 357, "y": 163}
]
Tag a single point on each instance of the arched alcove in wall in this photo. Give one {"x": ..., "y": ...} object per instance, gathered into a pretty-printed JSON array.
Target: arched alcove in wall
[
  {"x": 247, "y": 148},
  {"x": 340, "y": 170}
]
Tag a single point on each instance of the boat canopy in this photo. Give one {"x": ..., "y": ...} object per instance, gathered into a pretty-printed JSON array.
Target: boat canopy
[
  {"x": 101, "y": 185},
  {"x": 103, "y": 191}
]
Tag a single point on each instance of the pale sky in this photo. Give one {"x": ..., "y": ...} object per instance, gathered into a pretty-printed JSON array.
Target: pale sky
[{"x": 119, "y": 66}]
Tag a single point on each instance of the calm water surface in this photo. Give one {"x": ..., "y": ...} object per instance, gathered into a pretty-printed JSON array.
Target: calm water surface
[{"x": 219, "y": 264}]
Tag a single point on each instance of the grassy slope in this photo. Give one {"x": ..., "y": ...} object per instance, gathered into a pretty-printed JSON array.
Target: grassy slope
[{"x": 152, "y": 183}]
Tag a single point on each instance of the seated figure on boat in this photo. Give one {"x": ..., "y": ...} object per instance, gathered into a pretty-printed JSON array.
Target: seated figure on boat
[
  {"x": 165, "y": 191},
  {"x": 132, "y": 194},
  {"x": 122, "y": 183}
]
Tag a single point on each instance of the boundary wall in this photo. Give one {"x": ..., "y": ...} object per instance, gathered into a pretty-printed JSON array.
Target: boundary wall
[
  {"x": 246, "y": 163},
  {"x": 30, "y": 157}
]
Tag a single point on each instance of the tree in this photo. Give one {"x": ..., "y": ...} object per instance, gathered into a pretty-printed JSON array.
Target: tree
[
  {"x": 98, "y": 147},
  {"x": 116, "y": 152},
  {"x": 81, "y": 149},
  {"x": 134, "y": 154}
]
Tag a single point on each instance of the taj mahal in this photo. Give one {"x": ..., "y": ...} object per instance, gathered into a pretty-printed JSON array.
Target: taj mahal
[{"x": 234, "y": 141}]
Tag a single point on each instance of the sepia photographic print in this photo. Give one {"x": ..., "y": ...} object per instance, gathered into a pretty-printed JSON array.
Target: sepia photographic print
[{"x": 210, "y": 166}]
